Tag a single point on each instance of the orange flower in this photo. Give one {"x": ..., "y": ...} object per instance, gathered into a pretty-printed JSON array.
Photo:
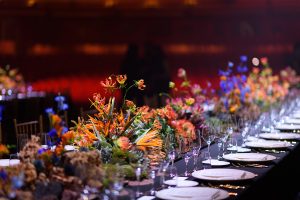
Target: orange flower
[
  {"x": 184, "y": 128},
  {"x": 3, "y": 149},
  {"x": 109, "y": 85},
  {"x": 157, "y": 125},
  {"x": 255, "y": 70},
  {"x": 223, "y": 78},
  {"x": 129, "y": 104},
  {"x": 68, "y": 137},
  {"x": 140, "y": 84},
  {"x": 121, "y": 79},
  {"x": 124, "y": 143}
]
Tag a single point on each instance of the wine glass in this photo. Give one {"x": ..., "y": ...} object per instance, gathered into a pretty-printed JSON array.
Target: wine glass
[
  {"x": 209, "y": 139},
  {"x": 196, "y": 151},
  {"x": 220, "y": 144},
  {"x": 163, "y": 168},
  {"x": 187, "y": 157},
  {"x": 152, "y": 175},
  {"x": 138, "y": 173},
  {"x": 172, "y": 175},
  {"x": 172, "y": 156},
  {"x": 245, "y": 132}
]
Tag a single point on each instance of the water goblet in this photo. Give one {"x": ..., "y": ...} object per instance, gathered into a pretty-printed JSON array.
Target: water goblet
[
  {"x": 152, "y": 175},
  {"x": 187, "y": 157},
  {"x": 138, "y": 173},
  {"x": 172, "y": 156},
  {"x": 196, "y": 151}
]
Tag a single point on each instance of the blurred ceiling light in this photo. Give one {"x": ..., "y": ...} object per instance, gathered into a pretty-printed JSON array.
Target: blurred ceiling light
[
  {"x": 110, "y": 3},
  {"x": 151, "y": 4},
  {"x": 255, "y": 61},
  {"x": 42, "y": 50},
  {"x": 190, "y": 2},
  {"x": 31, "y": 3}
]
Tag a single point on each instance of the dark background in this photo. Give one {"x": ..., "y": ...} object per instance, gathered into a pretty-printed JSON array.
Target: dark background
[{"x": 70, "y": 45}]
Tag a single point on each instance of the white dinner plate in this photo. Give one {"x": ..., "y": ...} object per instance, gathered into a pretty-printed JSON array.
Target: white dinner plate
[
  {"x": 280, "y": 136},
  {"x": 215, "y": 162},
  {"x": 181, "y": 183},
  {"x": 249, "y": 157},
  {"x": 292, "y": 121},
  {"x": 69, "y": 147},
  {"x": 7, "y": 162},
  {"x": 288, "y": 127},
  {"x": 296, "y": 115},
  {"x": 192, "y": 193},
  {"x": 268, "y": 144},
  {"x": 239, "y": 149},
  {"x": 222, "y": 174}
]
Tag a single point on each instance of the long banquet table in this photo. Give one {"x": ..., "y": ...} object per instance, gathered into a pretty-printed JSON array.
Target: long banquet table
[{"x": 280, "y": 180}]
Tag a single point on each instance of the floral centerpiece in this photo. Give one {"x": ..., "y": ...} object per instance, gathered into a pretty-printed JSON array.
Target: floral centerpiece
[
  {"x": 234, "y": 99},
  {"x": 11, "y": 81},
  {"x": 266, "y": 88}
]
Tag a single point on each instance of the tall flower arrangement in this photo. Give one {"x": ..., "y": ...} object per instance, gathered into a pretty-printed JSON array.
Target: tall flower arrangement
[
  {"x": 11, "y": 81},
  {"x": 266, "y": 88},
  {"x": 234, "y": 91}
]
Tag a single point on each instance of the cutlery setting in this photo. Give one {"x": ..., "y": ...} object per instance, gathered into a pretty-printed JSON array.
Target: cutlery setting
[
  {"x": 250, "y": 165},
  {"x": 227, "y": 186}
]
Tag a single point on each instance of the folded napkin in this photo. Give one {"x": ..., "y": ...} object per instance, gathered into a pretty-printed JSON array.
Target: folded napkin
[
  {"x": 146, "y": 198},
  {"x": 205, "y": 193}
]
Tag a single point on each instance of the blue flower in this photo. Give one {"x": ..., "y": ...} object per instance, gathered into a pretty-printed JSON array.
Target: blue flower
[
  {"x": 64, "y": 130},
  {"x": 49, "y": 111},
  {"x": 3, "y": 174},
  {"x": 18, "y": 181},
  {"x": 243, "y": 58},
  {"x": 244, "y": 78},
  {"x": 41, "y": 150},
  {"x": 242, "y": 68},
  {"x": 64, "y": 106},
  {"x": 230, "y": 64},
  {"x": 59, "y": 98},
  {"x": 52, "y": 133}
]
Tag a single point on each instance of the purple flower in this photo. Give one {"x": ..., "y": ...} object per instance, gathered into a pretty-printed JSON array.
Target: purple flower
[
  {"x": 3, "y": 174},
  {"x": 243, "y": 58},
  {"x": 49, "y": 111},
  {"x": 41, "y": 150},
  {"x": 59, "y": 98},
  {"x": 18, "y": 181}
]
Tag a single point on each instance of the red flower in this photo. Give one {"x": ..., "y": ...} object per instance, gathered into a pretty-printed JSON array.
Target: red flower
[{"x": 109, "y": 85}]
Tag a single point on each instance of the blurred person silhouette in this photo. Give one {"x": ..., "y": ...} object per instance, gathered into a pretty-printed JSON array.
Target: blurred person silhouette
[
  {"x": 131, "y": 66},
  {"x": 295, "y": 61},
  {"x": 156, "y": 75}
]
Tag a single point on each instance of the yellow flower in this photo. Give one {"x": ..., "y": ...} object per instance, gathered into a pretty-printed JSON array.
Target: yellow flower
[
  {"x": 189, "y": 101},
  {"x": 121, "y": 79},
  {"x": 140, "y": 84},
  {"x": 171, "y": 84}
]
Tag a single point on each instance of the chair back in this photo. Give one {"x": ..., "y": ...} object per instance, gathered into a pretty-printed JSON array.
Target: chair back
[{"x": 24, "y": 130}]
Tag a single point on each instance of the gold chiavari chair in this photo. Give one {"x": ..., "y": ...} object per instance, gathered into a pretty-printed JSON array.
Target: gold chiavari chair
[{"x": 24, "y": 130}]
